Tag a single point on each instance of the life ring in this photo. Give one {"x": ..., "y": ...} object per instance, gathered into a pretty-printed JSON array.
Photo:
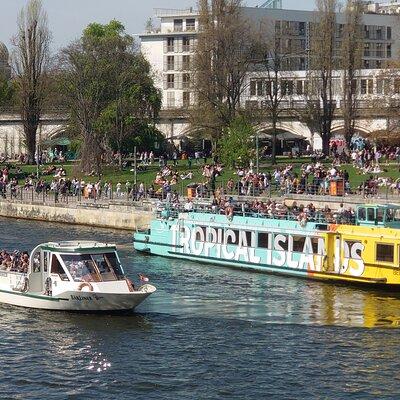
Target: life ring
[
  {"x": 85, "y": 284},
  {"x": 130, "y": 284}
]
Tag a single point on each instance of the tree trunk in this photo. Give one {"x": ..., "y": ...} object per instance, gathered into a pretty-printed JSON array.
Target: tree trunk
[
  {"x": 30, "y": 138},
  {"x": 273, "y": 153},
  {"x": 325, "y": 144}
]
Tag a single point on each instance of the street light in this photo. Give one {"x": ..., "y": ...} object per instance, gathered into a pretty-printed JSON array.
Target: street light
[{"x": 37, "y": 160}]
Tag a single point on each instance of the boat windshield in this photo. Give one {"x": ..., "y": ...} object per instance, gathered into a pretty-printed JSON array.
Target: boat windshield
[{"x": 93, "y": 267}]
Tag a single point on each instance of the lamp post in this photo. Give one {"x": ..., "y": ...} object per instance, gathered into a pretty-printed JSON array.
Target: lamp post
[
  {"x": 37, "y": 160},
  {"x": 257, "y": 154},
  {"x": 134, "y": 167}
]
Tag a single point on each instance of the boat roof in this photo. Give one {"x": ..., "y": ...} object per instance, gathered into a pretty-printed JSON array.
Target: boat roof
[
  {"x": 388, "y": 205},
  {"x": 80, "y": 246}
]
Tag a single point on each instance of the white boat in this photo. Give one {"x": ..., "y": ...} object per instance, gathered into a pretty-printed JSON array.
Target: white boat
[{"x": 73, "y": 276}]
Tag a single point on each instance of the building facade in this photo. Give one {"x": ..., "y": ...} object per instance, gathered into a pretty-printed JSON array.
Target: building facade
[{"x": 170, "y": 51}]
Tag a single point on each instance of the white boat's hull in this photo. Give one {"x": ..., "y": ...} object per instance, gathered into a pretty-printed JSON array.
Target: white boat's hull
[{"x": 78, "y": 300}]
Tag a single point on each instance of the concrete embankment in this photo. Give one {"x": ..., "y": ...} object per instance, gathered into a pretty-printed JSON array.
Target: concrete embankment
[{"x": 110, "y": 216}]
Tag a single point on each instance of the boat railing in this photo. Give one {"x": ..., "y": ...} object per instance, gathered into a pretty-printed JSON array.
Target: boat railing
[{"x": 319, "y": 217}]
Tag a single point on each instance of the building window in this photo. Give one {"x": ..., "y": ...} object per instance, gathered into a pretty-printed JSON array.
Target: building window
[
  {"x": 388, "y": 33},
  {"x": 186, "y": 63},
  {"x": 186, "y": 99},
  {"x": 382, "y": 86},
  {"x": 302, "y": 28},
  {"x": 190, "y": 24},
  {"x": 259, "y": 88},
  {"x": 379, "y": 52},
  {"x": 366, "y": 49},
  {"x": 252, "y": 88},
  {"x": 287, "y": 88},
  {"x": 366, "y": 64},
  {"x": 300, "y": 87},
  {"x": 170, "y": 99},
  {"x": 170, "y": 81},
  {"x": 170, "y": 63},
  {"x": 178, "y": 25},
  {"x": 367, "y": 86},
  {"x": 185, "y": 81},
  {"x": 170, "y": 45},
  {"x": 378, "y": 64},
  {"x": 186, "y": 44},
  {"x": 389, "y": 50},
  {"x": 268, "y": 86},
  {"x": 385, "y": 252}
]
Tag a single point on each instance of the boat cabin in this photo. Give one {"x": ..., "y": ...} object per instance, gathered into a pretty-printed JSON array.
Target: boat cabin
[
  {"x": 385, "y": 215},
  {"x": 67, "y": 262}
]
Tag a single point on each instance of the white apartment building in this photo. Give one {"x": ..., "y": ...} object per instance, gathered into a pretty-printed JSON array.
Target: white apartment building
[{"x": 170, "y": 49}]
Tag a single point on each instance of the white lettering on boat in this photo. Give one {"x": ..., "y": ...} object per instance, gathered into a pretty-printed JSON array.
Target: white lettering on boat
[{"x": 240, "y": 245}]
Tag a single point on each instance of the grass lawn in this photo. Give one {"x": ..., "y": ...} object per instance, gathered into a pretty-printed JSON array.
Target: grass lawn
[{"x": 114, "y": 175}]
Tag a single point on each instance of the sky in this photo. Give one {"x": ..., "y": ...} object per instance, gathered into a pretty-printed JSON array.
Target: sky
[{"x": 67, "y": 18}]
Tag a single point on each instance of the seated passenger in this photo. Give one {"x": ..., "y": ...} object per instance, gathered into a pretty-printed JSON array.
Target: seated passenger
[{"x": 24, "y": 263}]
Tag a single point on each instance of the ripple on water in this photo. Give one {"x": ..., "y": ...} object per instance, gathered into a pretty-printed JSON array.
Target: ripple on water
[{"x": 207, "y": 333}]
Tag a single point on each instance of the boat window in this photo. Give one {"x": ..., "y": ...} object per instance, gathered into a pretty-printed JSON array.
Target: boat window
[
  {"x": 81, "y": 267},
  {"x": 392, "y": 215},
  {"x": 314, "y": 242},
  {"x": 385, "y": 252},
  {"x": 379, "y": 214},
  {"x": 108, "y": 266},
  {"x": 233, "y": 240},
  {"x": 371, "y": 214},
  {"x": 298, "y": 243},
  {"x": 45, "y": 255},
  {"x": 199, "y": 237},
  {"x": 361, "y": 214},
  {"x": 112, "y": 260},
  {"x": 248, "y": 239},
  {"x": 56, "y": 268},
  {"x": 36, "y": 262},
  {"x": 263, "y": 240}
]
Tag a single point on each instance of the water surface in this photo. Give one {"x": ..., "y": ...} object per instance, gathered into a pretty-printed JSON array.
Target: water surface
[{"x": 207, "y": 333}]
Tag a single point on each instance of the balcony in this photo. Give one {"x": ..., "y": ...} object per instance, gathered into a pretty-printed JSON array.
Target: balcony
[{"x": 168, "y": 12}]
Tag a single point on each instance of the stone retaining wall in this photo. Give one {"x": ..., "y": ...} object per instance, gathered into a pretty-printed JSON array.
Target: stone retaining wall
[{"x": 116, "y": 217}]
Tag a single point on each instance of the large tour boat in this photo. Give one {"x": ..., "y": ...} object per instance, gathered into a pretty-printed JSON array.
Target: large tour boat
[
  {"x": 363, "y": 251},
  {"x": 72, "y": 276}
]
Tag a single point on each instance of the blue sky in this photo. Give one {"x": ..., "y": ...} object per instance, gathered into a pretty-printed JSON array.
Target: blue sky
[{"x": 67, "y": 18}]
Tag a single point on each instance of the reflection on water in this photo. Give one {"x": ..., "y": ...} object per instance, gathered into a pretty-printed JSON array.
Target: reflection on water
[{"x": 208, "y": 332}]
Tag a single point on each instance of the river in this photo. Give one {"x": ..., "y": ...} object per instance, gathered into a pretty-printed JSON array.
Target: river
[{"x": 207, "y": 333}]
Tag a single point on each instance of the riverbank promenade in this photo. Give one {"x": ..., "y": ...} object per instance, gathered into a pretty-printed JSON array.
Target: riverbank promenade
[{"x": 130, "y": 211}]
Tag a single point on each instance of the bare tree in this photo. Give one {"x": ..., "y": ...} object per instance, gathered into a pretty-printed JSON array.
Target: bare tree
[
  {"x": 224, "y": 54},
  {"x": 350, "y": 63},
  {"x": 277, "y": 59},
  {"x": 322, "y": 63},
  {"x": 30, "y": 63}
]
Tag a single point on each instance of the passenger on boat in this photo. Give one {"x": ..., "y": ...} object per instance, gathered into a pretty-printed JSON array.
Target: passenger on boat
[{"x": 188, "y": 205}]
